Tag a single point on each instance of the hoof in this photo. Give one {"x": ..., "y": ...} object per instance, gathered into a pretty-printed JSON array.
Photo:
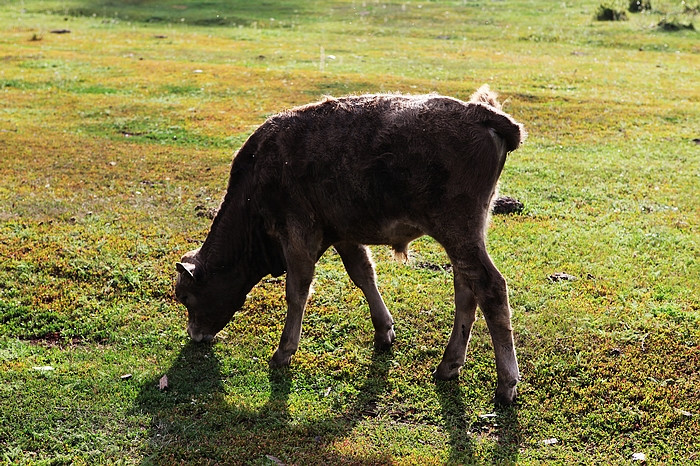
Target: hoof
[
  {"x": 384, "y": 341},
  {"x": 279, "y": 360},
  {"x": 447, "y": 371},
  {"x": 505, "y": 396}
]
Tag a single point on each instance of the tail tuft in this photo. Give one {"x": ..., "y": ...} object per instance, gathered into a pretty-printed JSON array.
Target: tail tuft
[
  {"x": 486, "y": 96},
  {"x": 491, "y": 115}
]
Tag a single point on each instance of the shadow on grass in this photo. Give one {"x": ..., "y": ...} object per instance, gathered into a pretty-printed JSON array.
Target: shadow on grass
[
  {"x": 194, "y": 422},
  {"x": 199, "y": 13},
  {"x": 502, "y": 426}
]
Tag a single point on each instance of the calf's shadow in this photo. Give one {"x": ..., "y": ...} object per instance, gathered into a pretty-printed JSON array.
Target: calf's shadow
[
  {"x": 501, "y": 425},
  {"x": 192, "y": 420}
]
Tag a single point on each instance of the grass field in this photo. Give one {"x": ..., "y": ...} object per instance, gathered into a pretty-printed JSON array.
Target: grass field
[{"x": 115, "y": 142}]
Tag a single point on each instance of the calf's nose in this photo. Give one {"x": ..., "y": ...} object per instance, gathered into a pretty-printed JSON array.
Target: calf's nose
[{"x": 198, "y": 337}]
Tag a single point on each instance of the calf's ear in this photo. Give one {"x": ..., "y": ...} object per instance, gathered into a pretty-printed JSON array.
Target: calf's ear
[{"x": 186, "y": 268}]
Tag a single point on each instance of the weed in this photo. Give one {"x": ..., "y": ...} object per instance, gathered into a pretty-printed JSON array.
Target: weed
[
  {"x": 610, "y": 12},
  {"x": 636, "y": 6},
  {"x": 674, "y": 24}
]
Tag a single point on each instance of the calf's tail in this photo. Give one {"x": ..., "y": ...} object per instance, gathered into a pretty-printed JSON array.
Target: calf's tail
[{"x": 506, "y": 128}]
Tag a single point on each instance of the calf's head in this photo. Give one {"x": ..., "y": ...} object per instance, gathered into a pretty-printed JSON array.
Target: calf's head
[{"x": 211, "y": 296}]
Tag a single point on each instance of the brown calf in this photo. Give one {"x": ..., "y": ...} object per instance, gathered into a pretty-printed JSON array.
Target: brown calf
[{"x": 371, "y": 169}]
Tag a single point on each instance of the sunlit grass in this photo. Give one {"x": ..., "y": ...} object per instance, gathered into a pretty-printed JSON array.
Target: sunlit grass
[{"x": 117, "y": 136}]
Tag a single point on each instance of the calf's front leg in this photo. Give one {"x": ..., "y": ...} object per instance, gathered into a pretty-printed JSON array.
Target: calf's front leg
[{"x": 300, "y": 273}]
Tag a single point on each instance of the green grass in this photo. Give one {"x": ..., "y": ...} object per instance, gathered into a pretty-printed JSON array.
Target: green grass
[{"x": 115, "y": 136}]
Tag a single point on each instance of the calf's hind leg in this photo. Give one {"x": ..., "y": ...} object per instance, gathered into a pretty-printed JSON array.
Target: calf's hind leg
[
  {"x": 465, "y": 315},
  {"x": 358, "y": 264},
  {"x": 478, "y": 281}
]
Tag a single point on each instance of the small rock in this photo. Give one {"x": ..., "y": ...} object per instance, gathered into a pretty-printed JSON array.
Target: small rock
[
  {"x": 275, "y": 460},
  {"x": 163, "y": 383},
  {"x": 202, "y": 211},
  {"x": 506, "y": 205},
  {"x": 561, "y": 277},
  {"x": 43, "y": 368}
]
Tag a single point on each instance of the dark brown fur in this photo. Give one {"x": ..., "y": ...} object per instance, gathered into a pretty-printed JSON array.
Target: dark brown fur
[{"x": 347, "y": 172}]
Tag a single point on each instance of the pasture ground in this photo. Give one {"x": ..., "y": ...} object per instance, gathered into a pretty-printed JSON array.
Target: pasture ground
[{"x": 116, "y": 139}]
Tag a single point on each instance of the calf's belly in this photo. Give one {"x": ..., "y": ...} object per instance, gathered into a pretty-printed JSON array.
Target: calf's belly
[{"x": 393, "y": 233}]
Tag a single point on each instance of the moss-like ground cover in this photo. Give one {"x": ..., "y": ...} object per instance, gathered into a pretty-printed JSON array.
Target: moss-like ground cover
[{"x": 116, "y": 139}]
